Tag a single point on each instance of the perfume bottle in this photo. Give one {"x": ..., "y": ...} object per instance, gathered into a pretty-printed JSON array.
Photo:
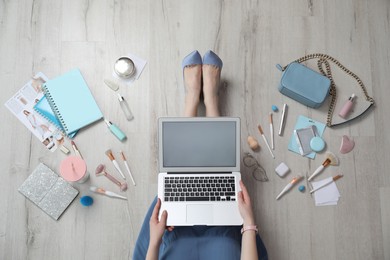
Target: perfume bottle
[
  {"x": 347, "y": 108},
  {"x": 125, "y": 108}
]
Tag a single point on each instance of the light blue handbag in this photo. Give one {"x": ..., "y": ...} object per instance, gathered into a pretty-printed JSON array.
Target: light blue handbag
[
  {"x": 312, "y": 88},
  {"x": 304, "y": 85}
]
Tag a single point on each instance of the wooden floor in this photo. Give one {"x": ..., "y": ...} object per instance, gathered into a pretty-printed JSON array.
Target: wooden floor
[{"x": 251, "y": 37}]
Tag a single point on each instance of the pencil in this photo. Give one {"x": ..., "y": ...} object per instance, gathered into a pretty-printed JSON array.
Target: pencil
[{"x": 282, "y": 119}]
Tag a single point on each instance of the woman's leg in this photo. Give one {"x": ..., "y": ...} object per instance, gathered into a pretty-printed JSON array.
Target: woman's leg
[
  {"x": 192, "y": 82},
  {"x": 211, "y": 81},
  {"x": 231, "y": 249}
]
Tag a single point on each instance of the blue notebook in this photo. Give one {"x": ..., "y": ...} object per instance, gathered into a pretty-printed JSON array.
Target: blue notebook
[
  {"x": 44, "y": 109},
  {"x": 71, "y": 101}
]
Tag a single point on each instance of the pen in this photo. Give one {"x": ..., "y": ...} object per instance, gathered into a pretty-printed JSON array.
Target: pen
[
  {"x": 271, "y": 130},
  {"x": 335, "y": 178},
  {"x": 127, "y": 167},
  {"x": 289, "y": 186},
  {"x": 75, "y": 149},
  {"x": 282, "y": 119},
  {"x": 265, "y": 140}
]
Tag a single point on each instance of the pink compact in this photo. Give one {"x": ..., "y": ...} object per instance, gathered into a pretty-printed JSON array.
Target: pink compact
[{"x": 74, "y": 169}]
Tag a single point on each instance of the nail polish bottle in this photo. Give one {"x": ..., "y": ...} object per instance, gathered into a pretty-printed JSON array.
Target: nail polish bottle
[{"x": 344, "y": 112}]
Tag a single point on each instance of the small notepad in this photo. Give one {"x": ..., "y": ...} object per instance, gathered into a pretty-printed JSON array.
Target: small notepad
[
  {"x": 72, "y": 101},
  {"x": 48, "y": 191},
  {"x": 328, "y": 195}
]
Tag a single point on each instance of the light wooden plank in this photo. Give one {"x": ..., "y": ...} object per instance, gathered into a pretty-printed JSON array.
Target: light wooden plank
[{"x": 250, "y": 37}]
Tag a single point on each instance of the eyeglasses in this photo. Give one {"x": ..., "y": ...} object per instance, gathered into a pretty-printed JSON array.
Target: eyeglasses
[{"x": 258, "y": 172}]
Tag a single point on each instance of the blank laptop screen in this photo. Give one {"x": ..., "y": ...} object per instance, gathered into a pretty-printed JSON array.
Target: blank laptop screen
[{"x": 199, "y": 144}]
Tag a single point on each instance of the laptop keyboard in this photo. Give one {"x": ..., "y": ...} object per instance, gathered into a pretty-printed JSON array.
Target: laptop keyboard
[{"x": 199, "y": 188}]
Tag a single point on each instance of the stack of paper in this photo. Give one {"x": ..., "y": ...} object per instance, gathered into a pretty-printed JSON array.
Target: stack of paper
[{"x": 328, "y": 195}]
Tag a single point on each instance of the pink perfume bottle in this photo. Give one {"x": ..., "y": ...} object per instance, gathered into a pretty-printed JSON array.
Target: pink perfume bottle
[{"x": 344, "y": 112}]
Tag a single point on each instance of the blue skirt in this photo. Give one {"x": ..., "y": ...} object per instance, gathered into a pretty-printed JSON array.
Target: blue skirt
[{"x": 199, "y": 242}]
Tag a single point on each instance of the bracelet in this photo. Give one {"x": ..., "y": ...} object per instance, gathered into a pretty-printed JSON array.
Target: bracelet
[{"x": 254, "y": 228}]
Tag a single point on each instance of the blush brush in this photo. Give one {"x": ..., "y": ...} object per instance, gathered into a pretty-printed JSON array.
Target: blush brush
[
  {"x": 112, "y": 159},
  {"x": 331, "y": 159}
]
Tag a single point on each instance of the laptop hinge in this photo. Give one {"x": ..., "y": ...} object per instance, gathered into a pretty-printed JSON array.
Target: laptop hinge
[{"x": 199, "y": 172}]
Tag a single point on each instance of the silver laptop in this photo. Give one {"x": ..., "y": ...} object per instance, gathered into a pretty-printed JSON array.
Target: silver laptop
[{"x": 199, "y": 164}]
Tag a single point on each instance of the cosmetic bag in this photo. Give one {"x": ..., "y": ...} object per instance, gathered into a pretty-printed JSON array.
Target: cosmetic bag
[
  {"x": 312, "y": 88},
  {"x": 304, "y": 85}
]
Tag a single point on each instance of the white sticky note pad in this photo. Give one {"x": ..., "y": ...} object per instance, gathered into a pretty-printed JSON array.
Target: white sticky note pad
[{"x": 328, "y": 195}]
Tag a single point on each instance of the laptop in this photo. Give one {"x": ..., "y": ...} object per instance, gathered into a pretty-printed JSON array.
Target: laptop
[{"x": 199, "y": 164}]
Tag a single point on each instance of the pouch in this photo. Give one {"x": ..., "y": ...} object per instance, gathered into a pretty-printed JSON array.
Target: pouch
[{"x": 304, "y": 85}]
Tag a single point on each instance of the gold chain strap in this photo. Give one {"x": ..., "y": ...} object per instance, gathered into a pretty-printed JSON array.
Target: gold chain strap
[{"x": 324, "y": 59}]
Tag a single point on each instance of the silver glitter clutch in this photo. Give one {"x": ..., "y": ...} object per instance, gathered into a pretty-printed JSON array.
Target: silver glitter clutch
[{"x": 48, "y": 191}]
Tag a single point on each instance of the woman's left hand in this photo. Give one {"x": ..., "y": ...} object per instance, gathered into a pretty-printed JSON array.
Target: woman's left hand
[{"x": 157, "y": 227}]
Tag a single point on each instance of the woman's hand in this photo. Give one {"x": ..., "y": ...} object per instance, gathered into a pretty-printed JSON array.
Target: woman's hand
[
  {"x": 245, "y": 206},
  {"x": 157, "y": 227}
]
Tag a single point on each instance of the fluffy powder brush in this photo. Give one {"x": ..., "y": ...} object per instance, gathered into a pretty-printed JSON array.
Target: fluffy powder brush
[{"x": 331, "y": 159}]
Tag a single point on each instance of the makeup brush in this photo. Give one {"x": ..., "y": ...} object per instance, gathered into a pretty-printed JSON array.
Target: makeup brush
[
  {"x": 127, "y": 167},
  {"x": 331, "y": 159},
  {"x": 106, "y": 192},
  {"x": 289, "y": 186},
  {"x": 265, "y": 140},
  {"x": 101, "y": 170},
  {"x": 112, "y": 158},
  {"x": 76, "y": 150},
  {"x": 271, "y": 130}
]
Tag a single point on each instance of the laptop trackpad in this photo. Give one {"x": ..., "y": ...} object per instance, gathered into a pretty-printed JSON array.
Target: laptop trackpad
[{"x": 200, "y": 214}]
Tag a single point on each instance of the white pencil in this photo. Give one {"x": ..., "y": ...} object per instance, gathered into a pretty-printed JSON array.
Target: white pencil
[
  {"x": 335, "y": 178},
  {"x": 282, "y": 119},
  {"x": 265, "y": 140}
]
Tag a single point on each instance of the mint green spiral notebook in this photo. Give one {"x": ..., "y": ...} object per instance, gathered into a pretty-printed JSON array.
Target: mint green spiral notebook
[
  {"x": 71, "y": 101},
  {"x": 44, "y": 109}
]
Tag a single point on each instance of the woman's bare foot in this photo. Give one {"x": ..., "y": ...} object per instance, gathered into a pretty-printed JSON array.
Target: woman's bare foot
[
  {"x": 211, "y": 81},
  {"x": 192, "y": 83}
]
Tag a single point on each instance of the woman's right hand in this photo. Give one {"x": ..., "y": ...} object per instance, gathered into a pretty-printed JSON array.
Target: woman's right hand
[{"x": 245, "y": 206}]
